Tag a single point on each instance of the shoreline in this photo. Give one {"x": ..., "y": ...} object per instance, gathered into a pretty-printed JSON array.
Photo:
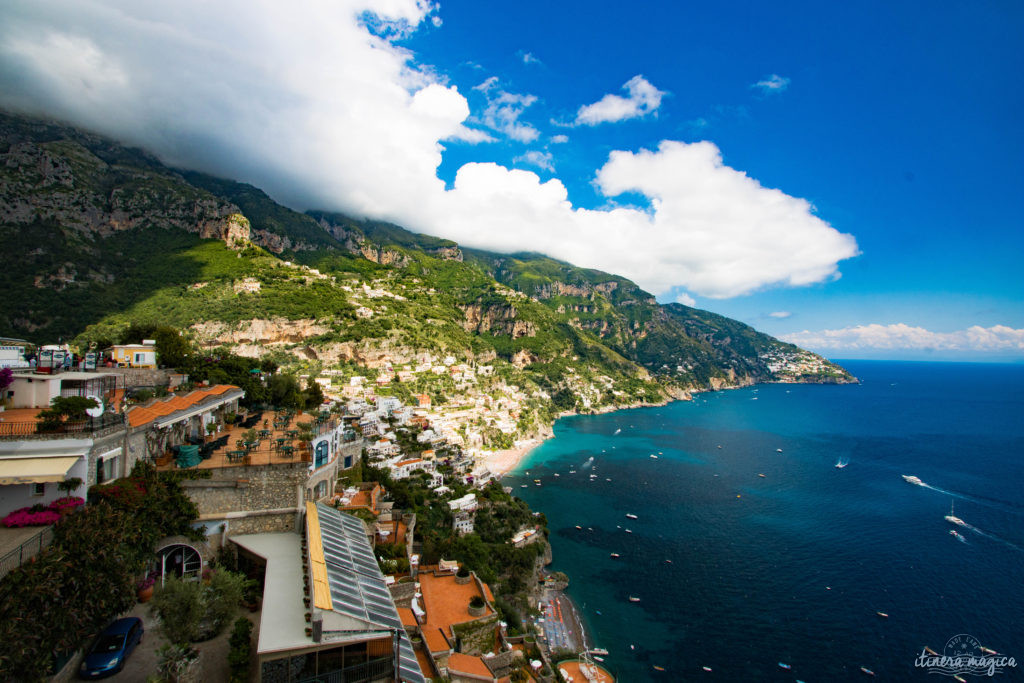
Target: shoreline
[{"x": 500, "y": 463}]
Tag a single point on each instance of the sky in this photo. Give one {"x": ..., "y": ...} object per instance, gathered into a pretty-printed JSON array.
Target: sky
[{"x": 846, "y": 176}]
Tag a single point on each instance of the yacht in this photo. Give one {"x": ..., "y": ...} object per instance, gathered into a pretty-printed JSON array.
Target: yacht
[
  {"x": 957, "y": 535},
  {"x": 615, "y": 556},
  {"x": 989, "y": 651},
  {"x": 840, "y": 464},
  {"x": 631, "y": 515},
  {"x": 761, "y": 475},
  {"x": 868, "y": 671},
  {"x": 882, "y": 614},
  {"x": 783, "y": 665},
  {"x": 599, "y": 651},
  {"x": 633, "y": 599},
  {"x": 953, "y": 519},
  {"x": 912, "y": 479},
  {"x": 778, "y": 450}
]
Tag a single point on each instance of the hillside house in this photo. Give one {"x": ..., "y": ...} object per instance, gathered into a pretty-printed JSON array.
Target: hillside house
[{"x": 135, "y": 355}]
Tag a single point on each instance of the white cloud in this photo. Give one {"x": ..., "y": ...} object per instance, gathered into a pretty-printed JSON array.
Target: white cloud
[
  {"x": 504, "y": 109},
  {"x": 998, "y": 338},
  {"x": 685, "y": 299},
  {"x": 559, "y": 139},
  {"x": 536, "y": 158},
  {"x": 772, "y": 84},
  {"x": 780, "y": 314},
  {"x": 528, "y": 58},
  {"x": 313, "y": 105},
  {"x": 643, "y": 99}
]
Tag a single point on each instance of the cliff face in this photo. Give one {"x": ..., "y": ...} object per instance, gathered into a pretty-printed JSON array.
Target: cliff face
[
  {"x": 496, "y": 319},
  {"x": 63, "y": 182}
]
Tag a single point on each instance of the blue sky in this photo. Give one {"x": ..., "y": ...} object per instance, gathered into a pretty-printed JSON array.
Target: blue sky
[{"x": 858, "y": 186}]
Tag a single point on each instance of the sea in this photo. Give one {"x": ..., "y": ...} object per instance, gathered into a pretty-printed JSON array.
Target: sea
[{"x": 741, "y": 573}]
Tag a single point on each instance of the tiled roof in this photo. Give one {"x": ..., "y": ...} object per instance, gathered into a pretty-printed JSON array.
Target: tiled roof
[
  {"x": 466, "y": 664},
  {"x": 141, "y": 415}
]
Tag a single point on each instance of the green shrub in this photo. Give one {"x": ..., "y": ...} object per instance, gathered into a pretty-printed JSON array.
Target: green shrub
[{"x": 241, "y": 649}]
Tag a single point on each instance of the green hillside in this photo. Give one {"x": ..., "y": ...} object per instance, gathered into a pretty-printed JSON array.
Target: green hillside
[{"x": 99, "y": 236}]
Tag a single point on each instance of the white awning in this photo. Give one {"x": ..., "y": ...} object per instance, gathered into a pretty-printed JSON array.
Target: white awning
[
  {"x": 103, "y": 457},
  {"x": 35, "y": 470}
]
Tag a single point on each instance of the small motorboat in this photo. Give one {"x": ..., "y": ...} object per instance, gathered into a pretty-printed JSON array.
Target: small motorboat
[
  {"x": 783, "y": 665},
  {"x": 630, "y": 515},
  {"x": 579, "y": 527},
  {"x": 989, "y": 651},
  {"x": 930, "y": 651},
  {"x": 658, "y": 668},
  {"x": 911, "y": 479},
  {"x": 778, "y": 450},
  {"x": 868, "y": 671},
  {"x": 628, "y": 531},
  {"x": 615, "y": 556},
  {"x": 599, "y": 651},
  {"x": 882, "y": 614},
  {"x": 706, "y": 668},
  {"x": 761, "y": 475},
  {"x": 653, "y": 456},
  {"x": 633, "y": 599}
]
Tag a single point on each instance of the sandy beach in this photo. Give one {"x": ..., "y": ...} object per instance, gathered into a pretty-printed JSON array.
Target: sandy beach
[{"x": 502, "y": 462}]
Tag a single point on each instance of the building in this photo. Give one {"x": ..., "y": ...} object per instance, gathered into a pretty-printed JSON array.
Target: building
[
  {"x": 135, "y": 355},
  {"x": 343, "y": 626},
  {"x": 466, "y": 504},
  {"x": 462, "y": 523}
]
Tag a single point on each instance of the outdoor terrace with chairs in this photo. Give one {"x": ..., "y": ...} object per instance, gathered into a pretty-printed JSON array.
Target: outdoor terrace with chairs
[{"x": 262, "y": 438}]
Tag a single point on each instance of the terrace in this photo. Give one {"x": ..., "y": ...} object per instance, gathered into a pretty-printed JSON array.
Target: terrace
[{"x": 263, "y": 438}]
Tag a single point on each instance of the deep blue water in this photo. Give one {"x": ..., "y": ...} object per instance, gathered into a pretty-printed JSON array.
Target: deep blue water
[{"x": 793, "y": 566}]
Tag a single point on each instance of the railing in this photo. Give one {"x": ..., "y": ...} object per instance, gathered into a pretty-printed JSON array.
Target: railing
[
  {"x": 105, "y": 422},
  {"x": 360, "y": 673},
  {"x": 26, "y": 551}
]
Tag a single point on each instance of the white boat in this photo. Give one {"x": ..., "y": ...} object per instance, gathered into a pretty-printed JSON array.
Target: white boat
[
  {"x": 706, "y": 668},
  {"x": 955, "y": 534},
  {"x": 630, "y": 515},
  {"x": 617, "y": 431},
  {"x": 912, "y": 479},
  {"x": 579, "y": 527},
  {"x": 882, "y": 614},
  {"x": 840, "y": 464},
  {"x": 953, "y": 519},
  {"x": 989, "y": 651},
  {"x": 599, "y": 651},
  {"x": 778, "y": 450},
  {"x": 653, "y": 456},
  {"x": 633, "y": 599},
  {"x": 628, "y": 531},
  {"x": 615, "y": 556},
  {"x": 761, "y": 475}
]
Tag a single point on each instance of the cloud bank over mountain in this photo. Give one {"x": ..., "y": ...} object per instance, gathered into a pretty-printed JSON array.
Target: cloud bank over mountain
[
  {"x": 995, "y": 339},
  {"x": 320, "y": 106}
]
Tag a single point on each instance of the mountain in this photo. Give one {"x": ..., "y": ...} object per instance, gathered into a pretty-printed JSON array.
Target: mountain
[{"x": 98, "y": 235}]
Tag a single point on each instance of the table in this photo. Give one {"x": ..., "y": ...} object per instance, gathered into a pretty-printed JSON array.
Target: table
[
  {"x": 235, "y": 456},
  {"x": 264, "y": 433},
  {"x": 292, "y": 433},
  {"x": 287, "y": 451},
  {"x": 250, "y": 446}
]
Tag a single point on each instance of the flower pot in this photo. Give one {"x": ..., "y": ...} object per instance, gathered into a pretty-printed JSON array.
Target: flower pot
[{"x": 144, "y": 594}]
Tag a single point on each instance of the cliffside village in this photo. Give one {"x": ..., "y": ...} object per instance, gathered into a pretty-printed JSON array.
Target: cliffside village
[{"x": 279, "y": 499}]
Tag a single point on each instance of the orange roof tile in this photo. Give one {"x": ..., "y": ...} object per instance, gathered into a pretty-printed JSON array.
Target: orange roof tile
[
  {"x": 445, "y": 603},
  {"x": 141, "y": 415},
  {"x": 408, "y": 618},
  {"x": 466, "y": 664}
]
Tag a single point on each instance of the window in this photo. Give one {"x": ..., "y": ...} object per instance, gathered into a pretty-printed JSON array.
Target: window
[
  {"x": 38, "y": 489},
  {"x": 323, "y": 450},
  {"x": 106, "y": 470},
  {"x": 321, "y": 490},
  {"x": 138, "y": 359}
]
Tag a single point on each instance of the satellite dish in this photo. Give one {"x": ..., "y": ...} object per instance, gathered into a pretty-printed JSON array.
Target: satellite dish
[{"x": 98, "y": 410}]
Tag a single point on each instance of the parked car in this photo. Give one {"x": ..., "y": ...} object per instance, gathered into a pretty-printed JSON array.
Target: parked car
[{"x": 106, "y": 656}]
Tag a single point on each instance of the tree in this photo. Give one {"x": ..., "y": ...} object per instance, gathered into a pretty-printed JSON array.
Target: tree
[{"x": 171, "y": 348}]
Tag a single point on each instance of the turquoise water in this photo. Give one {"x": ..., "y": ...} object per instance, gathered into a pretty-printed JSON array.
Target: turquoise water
[{"x": 793, "y": 567}]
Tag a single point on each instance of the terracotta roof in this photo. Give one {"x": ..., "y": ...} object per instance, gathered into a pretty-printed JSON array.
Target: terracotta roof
[
  {"x": 446, "y": 603},
  {"x": 466, "y": 664},
  {"x": 141, "y": 415},
  {"x": 408, "y": 618},
  {"x": 408, "y": 462}
]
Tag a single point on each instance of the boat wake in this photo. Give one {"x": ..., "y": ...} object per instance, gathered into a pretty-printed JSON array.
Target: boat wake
[
  {"x": 994, "y": 503},
  {"x": 991, "y": 537},
  {"x": 588, "y": 463}
]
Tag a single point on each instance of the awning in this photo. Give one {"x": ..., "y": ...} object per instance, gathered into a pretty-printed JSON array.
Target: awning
[{"x": 35, "y": 470}]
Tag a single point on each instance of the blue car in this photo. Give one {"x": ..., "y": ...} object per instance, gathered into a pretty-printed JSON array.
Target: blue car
[{"x": 106, "y": 656}]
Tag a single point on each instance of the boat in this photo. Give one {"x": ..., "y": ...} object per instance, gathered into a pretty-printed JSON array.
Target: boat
[
  {"x": 630, "y": 515},
  {"x": 557, "y": 474},
  {"x": 668, "y": 561},
  {"x": 783, "y": 665},
  {"x": 761, "y": 475},
  {"x": 930, "y": 651},
  {"x": 599, "y": 659},
  {"x": 633, "y": 599},
  {"x": 617, "y": 431},
  {"x": 706, "y": 668},
  {"x": 658, "y": 668},
  {"x": 988, "y": 651},
  {"x": 599, "y": 651},
  {"x": 912, "y": 479},
  {"x": 579, "y": 527},
  {"x": 840, "y": 464},
  {"x": 953, "y": 519},
  {"x": 955, "y": 534},
  {"x": 628, "y": 531},
  {"x": 719, "y": 446},
  {"x": 572, "y": 471},
  {"x": 615, "y": 555},
  {"x": 961, "y": 679},
  {"x": 522, "y": 486},
  {"x": 778, "y": 450},
  {"x": 868, "y": 671},
  {"x": 882, "y": 614},
  {"x": 653, "y": 456}
]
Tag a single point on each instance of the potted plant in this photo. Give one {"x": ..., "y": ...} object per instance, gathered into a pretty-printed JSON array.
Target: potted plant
[
  {"x": 211, "y": 429},
  {"x": 230, "y": 417},
  {"x": 462, "y": 576},
  {"x": 144, "y": 590},
  {"x": 477, "y": 606},
  {"x": 65, "y": 412}
]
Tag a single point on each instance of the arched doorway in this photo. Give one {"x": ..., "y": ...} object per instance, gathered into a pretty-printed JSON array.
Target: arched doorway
[{"x": 179, "y": 560}]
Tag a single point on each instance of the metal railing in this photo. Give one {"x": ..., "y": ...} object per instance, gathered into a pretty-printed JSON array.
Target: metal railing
[
  {"x": 103, "y": 423},
  {"x": 375, "y": 670},
  {"x": 26, "y": 551}
]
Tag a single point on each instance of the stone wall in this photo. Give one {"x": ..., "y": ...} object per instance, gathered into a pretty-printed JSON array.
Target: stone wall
[{"x": 257, "y": 499}]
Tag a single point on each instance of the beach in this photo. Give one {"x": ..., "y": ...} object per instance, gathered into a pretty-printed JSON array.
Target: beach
[{"x": 502, "y": 462}]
